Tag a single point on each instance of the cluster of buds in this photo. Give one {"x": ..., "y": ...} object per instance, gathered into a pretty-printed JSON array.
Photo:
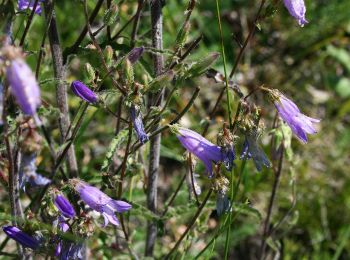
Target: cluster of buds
[
  {"x": 227, "y": 140},
  {"x": 252, "y": 128}
]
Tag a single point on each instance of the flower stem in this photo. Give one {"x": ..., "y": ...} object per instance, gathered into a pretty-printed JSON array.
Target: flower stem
[
  {"x": 154, "y": 154},
  {"x": 190, "y": 225},
  {"x": 224, "y": 61}
]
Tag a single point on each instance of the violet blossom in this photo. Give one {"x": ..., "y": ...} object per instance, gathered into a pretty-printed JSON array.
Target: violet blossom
[
  {"x": 290, "y": 113},
  {"x": 64, "y": 206},
  {"x": 23, "y": 86},
  {"x": 23, "y": 5},
  {"x": 223, "y": 204},
  {"x": 69, "y": 250},
  {"x": 21, "y": 237},
  {"x": 28, "y": 172},
  {"x": 99, "y": 201},
  {"x": 82, "y": 91},
  {"x": 297, "y": 9},
  {"x": 251, "y": 149},
  {"x": 136, "y": 118},
  {"x": 206, "y": 151}
]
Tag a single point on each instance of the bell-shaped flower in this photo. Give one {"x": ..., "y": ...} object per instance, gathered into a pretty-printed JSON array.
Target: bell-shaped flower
[
  {"x": 297, "y": 9},
  {"x": 82, "y": 91},
  {"x": 64, "y": 206},
  {"x": 251, "y": 149},
  {"x": 99, "y": 201},
  {"x": 136, "y": 118},
  {"x": 21, "y": 237},
  {"x": 69, "y": 250},
  {"x": 223, "y": 204},
  {"x": 290, "y": 113},
  {"x": 28, "y": 172},
  {"x": 23, "y": 86},
  {"x": 23, "y": 5},
  {"x": 203, "y": 149}
]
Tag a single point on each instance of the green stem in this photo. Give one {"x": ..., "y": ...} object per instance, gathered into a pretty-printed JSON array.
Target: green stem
[{"x": 224, "y": 61}]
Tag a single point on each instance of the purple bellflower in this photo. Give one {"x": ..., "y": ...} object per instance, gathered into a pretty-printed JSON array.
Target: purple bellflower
[
  {"x": 21, "y": 237},
  {"x": 69, "y": 250},
  {"x": 223, "y": 204},
  {"x": 99, "y": 201},
  {"x": 251, "y": 149},
  {"x": 136, "y": 118},
  {"x": 82, "y": 91},
  {"x": 135, "y": 54},
  {"x": 228, "y": 157},
  {"x": 298, "y": 122},
  {"x": 64, "y": 206},
  {"x": 24, "y": 86},
  {"x": 297, "y": 9},
  {"x": 206, "y": 151},
  {"x": 28, "y": 174},
  {"x": 23, "y": 5}
]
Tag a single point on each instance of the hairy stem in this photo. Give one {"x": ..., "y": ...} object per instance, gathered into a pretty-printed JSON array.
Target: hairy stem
[
  {"x": 61, "y": 88},
  {"x": 154, "y": 155}
]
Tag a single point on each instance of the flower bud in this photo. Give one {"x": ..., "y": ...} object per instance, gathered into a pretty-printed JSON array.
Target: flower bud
[
  {"x": 135, "y": 54},
  {"x": 90, "y": 72},
  {"x": 64, "y": 206},
  {"x": 21, "y": 237},
  {"x": 24, "y": 86},
  {"x": 82, "y": 91}
]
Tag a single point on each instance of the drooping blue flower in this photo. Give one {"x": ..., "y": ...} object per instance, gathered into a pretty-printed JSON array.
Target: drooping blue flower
[
  {"x": 82, "y": 91},
  {"x": 23, "y": 5},
  {"x": 229, "y": 155},
  {"x": 298, "y": 122},
  {"x": 21, "y": 237},
  {"x": 64, "y": 206},
  {"x": 136, "y": 118},
  {"x": 69, "y": 250},
  {"x": 196, "y": 144},
  {"x": 251, "y": 149},
  {"x": 23, "y": 86},
  {"x": 193, "y": 187},
  {"x": 99, "y": 201},
  {"x": 297, "y": 9},
  {"x": 223, "y": 204},
  {"x": 135, "y": 54},
  {"x": 245, "y": 154},
  {"x": 28, "y": 174}
]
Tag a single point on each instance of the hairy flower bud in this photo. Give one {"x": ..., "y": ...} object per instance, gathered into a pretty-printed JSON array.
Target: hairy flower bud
[
  {"x": 135, "y": 54},
  {"x": 23, "y": 86},
  {"x": 64, "y": 206},
  {"x": 136, "y": 118},
  {"x": 82, "y": 91},
  {"x": 21, "y": 237}
]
